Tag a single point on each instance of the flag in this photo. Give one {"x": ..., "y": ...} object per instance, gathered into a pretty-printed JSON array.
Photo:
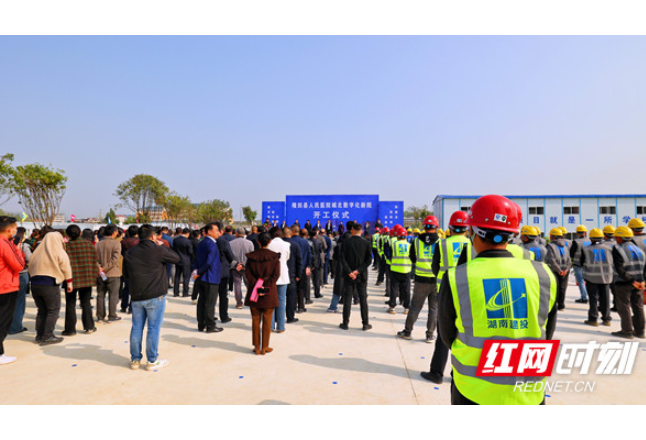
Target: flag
[
  {"x": 24, "y": 216},
  {"x": 109, "y": 220},
  {"x": 72, "y": 218}
]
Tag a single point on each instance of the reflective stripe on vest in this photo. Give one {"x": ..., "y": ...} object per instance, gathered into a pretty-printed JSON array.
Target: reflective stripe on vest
[
  {"x": 580, "y": 244},
  {"x": 597, "y": 267},
  {"x": 520, "y": 252},
  {"x": 538, "y": 249},
  {"x": 634, "y": 259},
  {"x": 375, "y": 237},
  {"x": 561, "y": 255},
  {"x": 382, "y": 241},
  {"x": 400, "y": 262},
  {"x": 391, "y": 243},
  {"x": 424, "y": 254},
  {"x": 500, "y": 299},
  {"x": 450, "y": 250}
]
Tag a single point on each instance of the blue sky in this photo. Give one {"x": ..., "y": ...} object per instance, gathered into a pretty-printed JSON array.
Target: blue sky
[{"x": 247, "y": 119}]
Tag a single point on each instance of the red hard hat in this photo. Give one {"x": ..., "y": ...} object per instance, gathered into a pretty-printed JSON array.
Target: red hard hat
[
  {"x": 458, "y": 219},
  {"x": 385, "y": 230},
  {"x": 494, "y": 212},
  {"x": 393, "y": 231},
  {"x": 402, "y": 232},
  {"x": 431, "y": 220}
]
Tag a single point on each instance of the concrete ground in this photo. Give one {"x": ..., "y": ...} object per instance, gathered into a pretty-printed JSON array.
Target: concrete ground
[{"x": 313, "y": 362}]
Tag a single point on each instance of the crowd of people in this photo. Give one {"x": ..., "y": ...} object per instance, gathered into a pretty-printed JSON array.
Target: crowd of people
[
  {"x": 285, "y": 267},
  {"x": 283, "y": 270}
]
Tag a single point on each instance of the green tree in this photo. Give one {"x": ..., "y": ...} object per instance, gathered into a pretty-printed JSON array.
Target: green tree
[
  {"x": 178, "y": 209},
  {"x": 40, "y": 191},
  {"x": 249, "y": 214},
  {"x": 131, "y": 220},
  {"x": 418, "y": 213},
  {"x": 214, "y": 210},
  {"x": 6, "y": 177},
  {"x": 110, "y": 217},
  {"x": 140, "y": 193}
]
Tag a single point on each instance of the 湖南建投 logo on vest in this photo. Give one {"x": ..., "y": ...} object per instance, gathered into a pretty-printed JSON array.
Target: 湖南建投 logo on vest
[{"x": 506, "y": 303}]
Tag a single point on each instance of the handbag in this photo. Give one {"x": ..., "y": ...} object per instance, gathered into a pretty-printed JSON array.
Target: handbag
[{"x": 254, "y": 292}]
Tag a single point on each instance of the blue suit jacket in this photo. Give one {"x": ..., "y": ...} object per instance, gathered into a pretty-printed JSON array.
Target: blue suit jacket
[{"x": 207, "y": 261}]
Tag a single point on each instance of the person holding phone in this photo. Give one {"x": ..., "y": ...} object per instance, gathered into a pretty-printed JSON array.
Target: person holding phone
[{"x": 264, "y": 265}]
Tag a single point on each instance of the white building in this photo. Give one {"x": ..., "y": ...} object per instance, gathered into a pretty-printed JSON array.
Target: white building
[{"x": 547, "y": 212}]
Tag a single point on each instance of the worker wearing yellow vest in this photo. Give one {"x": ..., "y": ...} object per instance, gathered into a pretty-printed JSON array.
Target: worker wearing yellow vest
[
  {"x": 388, "y": 244},
  {"x": 448, "y": 253},
  {"x": 421, "y": 255},
  {"x": 400, "y": 268},
  {"x": 383, "y": 233},
  {"x": 473, "y": 310},
  {"x": 448, "y": 250},
  {"x": 375, "y": 254}
]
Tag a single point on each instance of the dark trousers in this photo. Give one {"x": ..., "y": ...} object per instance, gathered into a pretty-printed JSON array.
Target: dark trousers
[
  {"x": 440, "y": 357},
  {"x": 599, "y": 301},
  {"x": 197, "y": 286},
  {"x": 223, "y": 291},
  {"x": 399, "y": 286},
  {"x": 301, "y": 287},
  {"x": 290, "y": 303},
  {"x": 316, "y": 281},
  {"x": 326, "y": 270},
  {"x": 630, "y": 299},
  {"x": 207, "y": 296},
  {"x": 183, "y": 272},
  {"x": 230, "y": 284},
  {"x": 7, "y": 304},
  {"x": 375, "y": 258},
  {"x": 21, "y": 302},
  {"x": 308, "y": 287},
  {"x": 85, "y": 298},
  {"x": 125, "y": 296},
  {"x": 423, "y": 292},
  {"x": 353, "y": 289},
  {"x": 382, "y": 270},
  {"x": 561, "y": 288},
  {"x": 48, "y": 301}
]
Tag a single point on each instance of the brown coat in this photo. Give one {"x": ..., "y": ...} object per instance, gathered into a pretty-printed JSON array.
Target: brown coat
[{"x": 264, "y": 264}]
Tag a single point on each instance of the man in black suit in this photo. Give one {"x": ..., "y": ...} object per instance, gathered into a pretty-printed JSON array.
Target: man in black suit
[
  {"x": 226, "y": 262},
  {"x": 356, "y": 257},
  {"x": 184, "y": 248}
]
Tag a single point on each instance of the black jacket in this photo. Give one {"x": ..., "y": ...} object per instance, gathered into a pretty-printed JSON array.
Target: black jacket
[
  {"x": 184, "y": 249},
  {"x": 295, "y": 262},
  {"x": 145, "y": 267},
  {"x": 356, "y": 254},
  {"x": 226, "y": 256},
  {"x": 317, "y": 250}
]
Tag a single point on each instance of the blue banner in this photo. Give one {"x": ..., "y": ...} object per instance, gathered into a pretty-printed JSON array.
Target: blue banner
[
  {"x": 273, "y": 211},
  {"x": 337, "y": 209},
  {"x": 391, "y": 213}
]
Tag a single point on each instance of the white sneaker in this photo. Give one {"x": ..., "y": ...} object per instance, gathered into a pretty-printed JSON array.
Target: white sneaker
[
  {"x": 159, "y": 363},
  {"x": 134, "y": 365},
  {"x": 4, "y": 359}
]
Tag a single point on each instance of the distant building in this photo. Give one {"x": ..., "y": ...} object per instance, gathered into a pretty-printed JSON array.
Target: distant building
[
  {"x": 156, "y": 214},
  {"x": 60, "y": 218},
  {"x": 547, "y": 212}
]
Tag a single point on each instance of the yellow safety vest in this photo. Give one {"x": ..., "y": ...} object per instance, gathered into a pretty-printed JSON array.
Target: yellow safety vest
[
  {"x": 424, "y": 263},
  {"x": 400, "y": 262},
  {"x": 501, "y": 299},
  {"x": 520, "y": 252},
  {"x": 450, "y": 250}
]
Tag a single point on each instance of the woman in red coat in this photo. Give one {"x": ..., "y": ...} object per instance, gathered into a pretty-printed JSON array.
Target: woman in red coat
[
  {"x": 12, "y": 261},
  {"x": 264, "y": 264}
]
